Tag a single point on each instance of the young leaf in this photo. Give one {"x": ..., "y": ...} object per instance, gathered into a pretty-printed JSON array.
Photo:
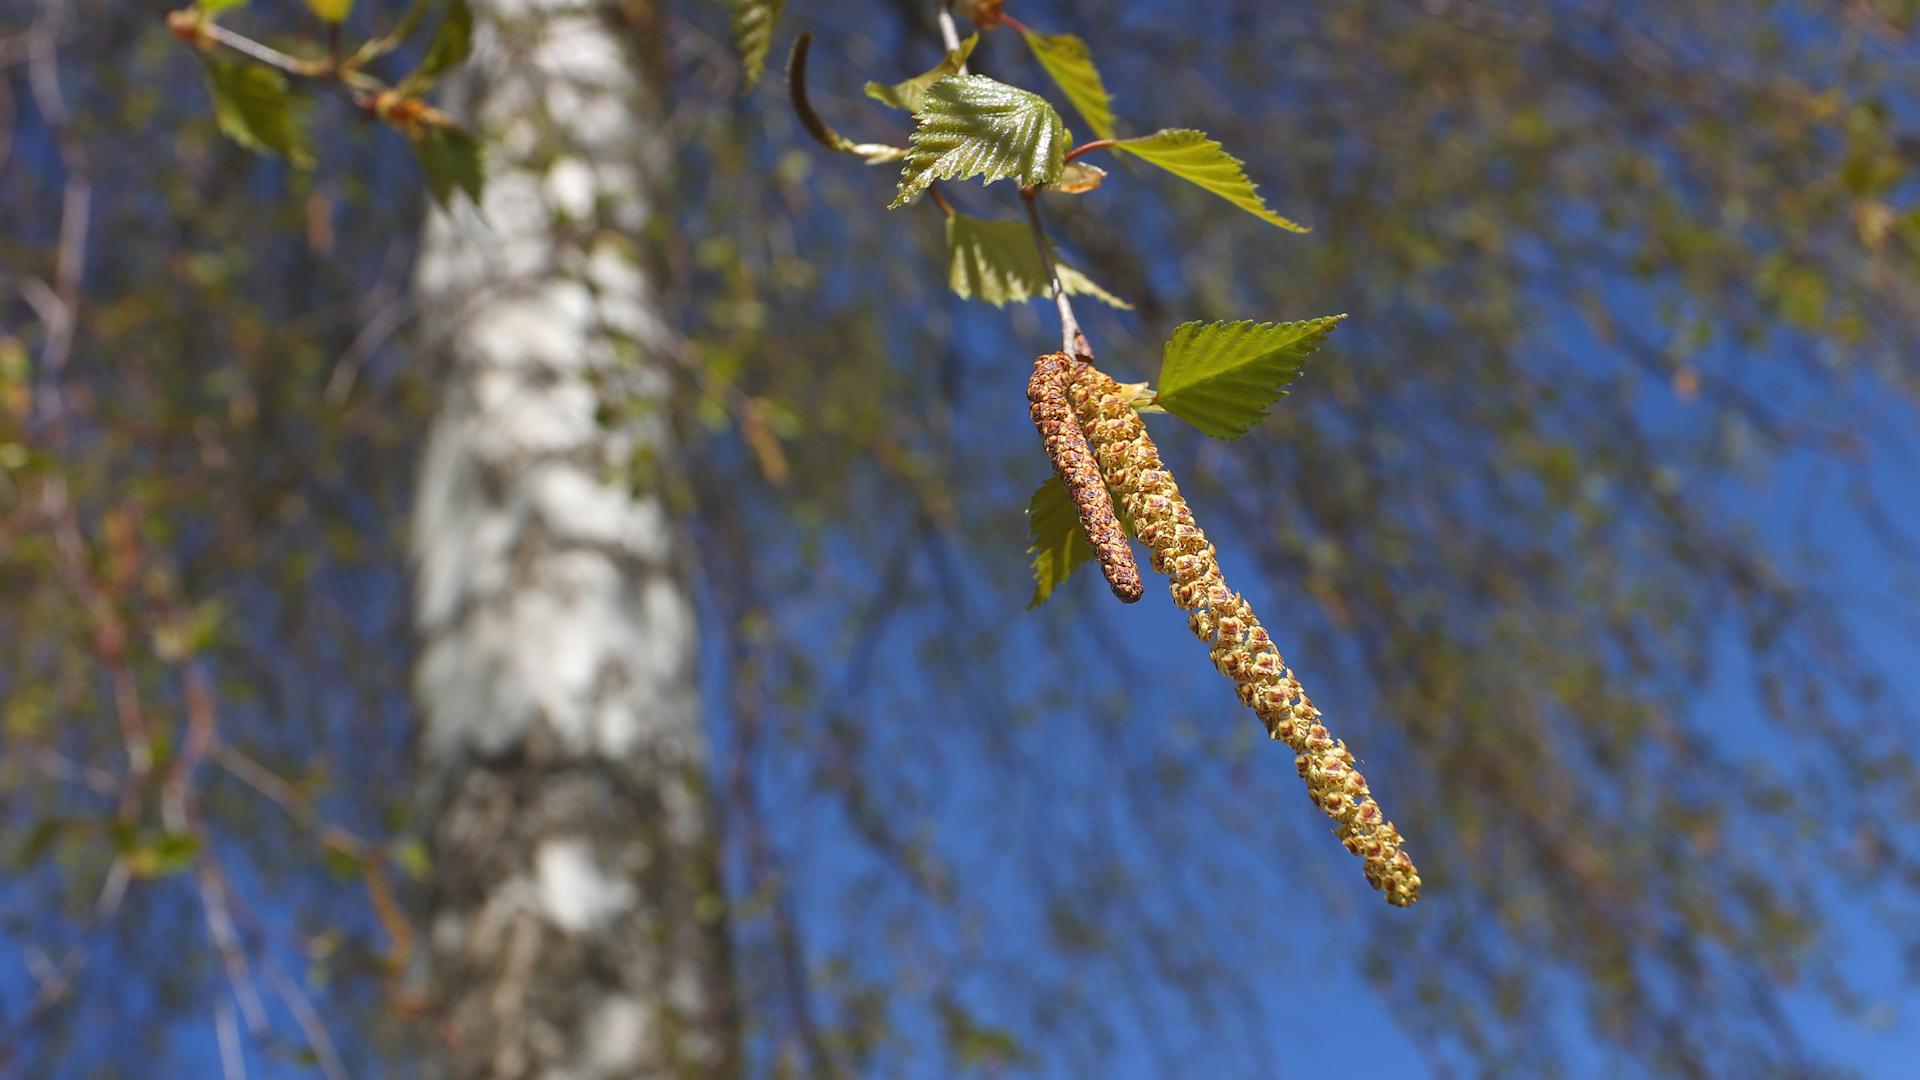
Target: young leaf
[
  {"x": 452, "y": 161},
  {"x": 255, "y": 108},
  {"x": 1066, "y": 59},
  {"x": 996, "y": 261},
  {"x": 909, "y": 95},
  {"x": 1078, "y": 178},
  {"x": 330, "y": 11},
  {"x": 1193, "y": 157},
  {"x": 451, "y": 43},
  {"x": 753, "y": 23},
  {"x": 1057, "y": 544},
  {"x": 970, "y": 125},
  {"x": 1221, "y": 377}
]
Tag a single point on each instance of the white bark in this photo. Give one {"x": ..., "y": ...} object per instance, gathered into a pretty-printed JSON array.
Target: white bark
[{"x": 574, "y": 925}]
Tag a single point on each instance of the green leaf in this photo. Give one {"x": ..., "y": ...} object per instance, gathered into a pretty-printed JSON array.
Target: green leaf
[
  {"x": 909, "y": 95},
  {"x": 753, "y": 23},
  {"x": 1058, "y": 545},
  {"x": 997, "y": 261},
  {"x": 256, "y": 109},
  {"x": 411, "y": 856},
  {"x": 451, "y": 43},
  {"x": 167, "y": 854},
  {"x": 329, "y": 11},
  {"x": 215, "y": 7},
  {"x": 39, "y": 839},
  {"x": 970, "y": 125},
  {"x": 1193, "y": 157},
  {"x": 1066, "y": 59},
  {"x": 1221, "y": 377},
  {"x": 452, "y": 161}
]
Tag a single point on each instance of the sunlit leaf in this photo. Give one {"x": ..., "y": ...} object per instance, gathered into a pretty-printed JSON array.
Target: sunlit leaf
[
  {"x": 970, "y": 125},
  {"x": 1066, "y": 59},
  {"x": 1193, "y": 157},
  {"x": 1221, "y": 377},
  {"x": 215, "y": 7},
  {"x": 997, "y": 261},
  {"x": 908, "y": 95},
  {"x": 753, "y": 24},
  {"x": 255, "y": 108}
]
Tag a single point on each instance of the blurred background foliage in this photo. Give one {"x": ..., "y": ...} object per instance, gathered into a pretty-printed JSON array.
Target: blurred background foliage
[{"x": 1575, "y": 530}]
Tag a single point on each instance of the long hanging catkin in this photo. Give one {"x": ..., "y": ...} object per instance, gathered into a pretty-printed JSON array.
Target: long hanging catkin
[
  {"x": 1238, "y": 644},
  {"x": 1053, "y": 414}
]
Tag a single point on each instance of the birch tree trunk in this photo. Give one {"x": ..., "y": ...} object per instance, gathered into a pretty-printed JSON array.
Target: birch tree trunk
[{"x": 574, "y": 922}]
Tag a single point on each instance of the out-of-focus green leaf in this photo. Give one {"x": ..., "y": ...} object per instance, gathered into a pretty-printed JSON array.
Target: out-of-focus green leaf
[
  {"x": 908, "y": 95},
  {"x": 215, "y": 7},
  {"x": 1221, "y": 377},
  {"x": 411, "y": 855},
  {"x": 997, "y": 261},
  {"x": 256, "y": 109},
  {"x": 164, "y": 855},
  {"x": 1193, "y": 157},
  {"x": 753, "y": 25},
  {"x": 329, "y": 11},
  {"x": 451, "y": 43},
  {"x": 1066, "y": 59},
  {"x": 970, "y": 125},
  {"x": 39, "y": 839},
  {"x": 452, "y": 161},
  {"x": 174, "y": 640}
]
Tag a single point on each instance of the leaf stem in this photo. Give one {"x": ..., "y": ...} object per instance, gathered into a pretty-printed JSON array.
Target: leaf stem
[
  {"x": 1089, "y": 147},
  {"x": 874, "y": 153}
]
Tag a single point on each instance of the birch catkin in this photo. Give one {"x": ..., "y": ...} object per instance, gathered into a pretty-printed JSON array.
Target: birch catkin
[
  {"x": 1238, "y": 644},
  {"x": 1053, "y": 414}
]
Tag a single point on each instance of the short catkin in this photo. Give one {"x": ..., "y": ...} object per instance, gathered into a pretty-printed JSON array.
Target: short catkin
[
  {"x": 1238, "y": 644},
  {"x": 1053, "y": 414}
]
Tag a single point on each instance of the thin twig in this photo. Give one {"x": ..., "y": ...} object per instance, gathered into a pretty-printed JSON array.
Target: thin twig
[
  {"x": 308, "y": 1018},
  {"x": 1072, "y": 341},
  {"x": 949, "y": 32},
  {"x": 233, "y": 1064}
]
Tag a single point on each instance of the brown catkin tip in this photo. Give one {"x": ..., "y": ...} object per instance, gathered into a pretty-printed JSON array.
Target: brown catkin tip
[
  {"x": 1060, "y": 431},
  {"x": 1237, "y": 643}
]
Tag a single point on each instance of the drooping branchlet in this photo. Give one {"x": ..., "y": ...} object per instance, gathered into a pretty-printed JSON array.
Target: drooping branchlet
[
  {"x": 1238, "y": 644},
  {"x": 1066, "y": 445}
]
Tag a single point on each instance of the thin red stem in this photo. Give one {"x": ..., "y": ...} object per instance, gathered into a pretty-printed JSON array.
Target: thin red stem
[{"x": 1089, "y": 147}]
